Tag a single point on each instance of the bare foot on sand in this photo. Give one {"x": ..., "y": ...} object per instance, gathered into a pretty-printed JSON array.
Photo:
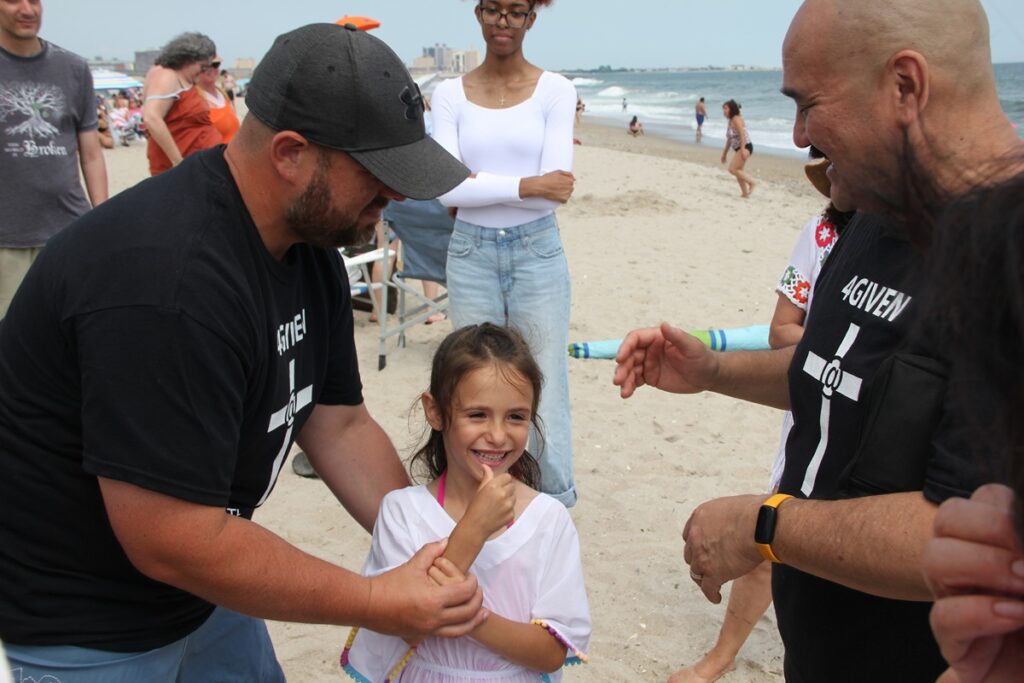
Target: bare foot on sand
[{"x": 704, "y": 671}]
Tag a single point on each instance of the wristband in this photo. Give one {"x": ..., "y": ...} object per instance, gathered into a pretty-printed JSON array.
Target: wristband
[{"x": 764, "y": 530}]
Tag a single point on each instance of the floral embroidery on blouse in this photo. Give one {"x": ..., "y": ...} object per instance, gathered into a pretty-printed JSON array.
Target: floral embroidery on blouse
[{"x": 795, "y": 283}]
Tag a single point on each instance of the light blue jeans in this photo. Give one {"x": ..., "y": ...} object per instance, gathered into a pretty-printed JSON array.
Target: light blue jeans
[
  {"x": 228, "y": 648},
  {"x": 519, "y": 277}
]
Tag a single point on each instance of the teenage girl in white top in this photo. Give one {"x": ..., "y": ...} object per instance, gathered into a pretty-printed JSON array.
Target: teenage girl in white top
[{"x": 511, "y": 123}]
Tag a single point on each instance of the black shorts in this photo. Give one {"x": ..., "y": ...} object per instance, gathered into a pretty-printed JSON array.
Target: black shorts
[{"x": 750, "y": 147}]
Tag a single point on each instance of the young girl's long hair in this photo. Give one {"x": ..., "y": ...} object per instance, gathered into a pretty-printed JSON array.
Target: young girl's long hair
[{"x": 471, "y": 348}]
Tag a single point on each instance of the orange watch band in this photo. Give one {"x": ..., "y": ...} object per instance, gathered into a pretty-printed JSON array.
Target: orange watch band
[{"x": 765, "y": 530}]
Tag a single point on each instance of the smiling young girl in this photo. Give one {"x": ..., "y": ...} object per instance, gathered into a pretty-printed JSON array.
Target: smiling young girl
[{"x": 520, "y": 544}]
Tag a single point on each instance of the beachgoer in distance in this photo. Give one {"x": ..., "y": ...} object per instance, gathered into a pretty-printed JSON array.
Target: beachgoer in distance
[
  {"x": 701, "y": 113},
  {"x": 916, "y": 99},
  {"x": 635, "y": 128},
  {"x": 738, "y": 140},
  {"x": 481, "y": 495},
  {"x": 226, "y": 82},
  {"x": 623, "y": 104},
  {"x": 511, "y": 123},
  {"x": 222, "y": 111},
  {"x": 176, "y": 115},
  {"x": 580, "y": 108},
  {"x": 751, "y": 593},
  {"x": 103, "y": 126},
  {"x": 41, "y": 193},
  {"x": 974, "y": 564},
  {"x": 222, "y": 284}
]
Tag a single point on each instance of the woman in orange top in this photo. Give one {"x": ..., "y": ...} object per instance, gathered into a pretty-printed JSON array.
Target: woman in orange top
[
  {"x": 176, "y": 115},
  {"x": 222, "y": 110}
]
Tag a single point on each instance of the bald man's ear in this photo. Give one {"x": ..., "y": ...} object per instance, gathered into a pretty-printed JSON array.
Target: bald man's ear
[
  {"x": 291, "y": 155},
  {"x": 909, "y": 71}
]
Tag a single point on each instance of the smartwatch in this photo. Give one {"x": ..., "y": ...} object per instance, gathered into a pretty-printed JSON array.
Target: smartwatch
[{"x": 764, "y": 531}]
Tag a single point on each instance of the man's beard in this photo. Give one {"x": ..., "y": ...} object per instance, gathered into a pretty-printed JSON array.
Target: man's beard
[{"x": 317, "y": 222}]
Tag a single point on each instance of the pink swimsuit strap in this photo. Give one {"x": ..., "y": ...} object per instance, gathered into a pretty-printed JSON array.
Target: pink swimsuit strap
[{"x": 440, "y": 488}]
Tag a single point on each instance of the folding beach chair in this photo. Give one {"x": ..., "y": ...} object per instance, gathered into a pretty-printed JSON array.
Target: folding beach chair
[
  {"x": 359, "y": 267},
  {"x": 424, "y": 228}
]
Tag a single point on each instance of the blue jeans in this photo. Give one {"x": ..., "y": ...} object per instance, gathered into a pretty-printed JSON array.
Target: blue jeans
[
  {"x": 519, "y": 277},
  {"x": 228, "y": 648}
]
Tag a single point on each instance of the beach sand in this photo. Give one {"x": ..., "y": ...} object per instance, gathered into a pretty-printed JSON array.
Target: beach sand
[{"x": 656, "y": 230}]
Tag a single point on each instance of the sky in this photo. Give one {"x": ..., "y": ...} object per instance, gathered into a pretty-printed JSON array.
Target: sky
[{"x": 570, "y": 34}]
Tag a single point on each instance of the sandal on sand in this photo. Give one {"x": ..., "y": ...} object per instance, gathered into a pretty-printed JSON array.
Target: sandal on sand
[{"x": 436, "y": 318}]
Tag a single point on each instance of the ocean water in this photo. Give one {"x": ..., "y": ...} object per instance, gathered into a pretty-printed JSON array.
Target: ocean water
[{"x": 665, "y": 100}]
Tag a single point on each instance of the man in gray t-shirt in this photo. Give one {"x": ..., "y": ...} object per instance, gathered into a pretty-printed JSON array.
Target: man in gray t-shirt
[{"x": 47, "y": 131}]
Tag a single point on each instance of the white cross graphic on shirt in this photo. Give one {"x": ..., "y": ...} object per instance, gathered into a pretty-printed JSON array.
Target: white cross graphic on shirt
[
  {"x": 833, "y": 380},
  {"x": 286, "y": 417}
]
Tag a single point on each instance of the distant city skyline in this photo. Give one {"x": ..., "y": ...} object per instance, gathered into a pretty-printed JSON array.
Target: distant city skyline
[{"x": 568, "y": 35}]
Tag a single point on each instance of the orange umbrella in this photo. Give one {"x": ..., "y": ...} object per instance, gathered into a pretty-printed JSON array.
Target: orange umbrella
[{"x": 361, "y": 23}]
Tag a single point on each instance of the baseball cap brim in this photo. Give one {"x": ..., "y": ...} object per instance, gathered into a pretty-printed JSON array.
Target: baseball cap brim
[{"x": 419, "y": 170}]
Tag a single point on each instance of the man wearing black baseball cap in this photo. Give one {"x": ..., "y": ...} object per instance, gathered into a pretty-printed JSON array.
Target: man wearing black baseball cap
[{"x": 159, "y": 361}]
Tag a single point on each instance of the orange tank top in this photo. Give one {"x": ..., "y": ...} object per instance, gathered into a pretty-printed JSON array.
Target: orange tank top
[
  {"x": 190, "y": 126},
  {"x": 224, "y": 120}
]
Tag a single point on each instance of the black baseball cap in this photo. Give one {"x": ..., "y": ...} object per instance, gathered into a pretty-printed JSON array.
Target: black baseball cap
[{"x": 344, "y": 89}]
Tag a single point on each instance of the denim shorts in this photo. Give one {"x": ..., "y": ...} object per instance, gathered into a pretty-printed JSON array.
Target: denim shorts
[
  {"x": 518, "y": 276},
  {"x": 228, "y": 648}
]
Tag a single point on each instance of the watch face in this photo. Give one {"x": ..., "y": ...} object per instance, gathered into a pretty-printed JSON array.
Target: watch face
[{"x": 764, "y": 531}]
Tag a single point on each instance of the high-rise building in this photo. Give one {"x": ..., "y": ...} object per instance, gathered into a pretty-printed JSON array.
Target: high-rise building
[
  {"x": 440, "y": 57},
  {"x": 144, "y": 61}
]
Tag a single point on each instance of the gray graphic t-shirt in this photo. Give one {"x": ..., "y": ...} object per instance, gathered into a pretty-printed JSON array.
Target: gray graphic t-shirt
[{"x": 45, "y": 101}]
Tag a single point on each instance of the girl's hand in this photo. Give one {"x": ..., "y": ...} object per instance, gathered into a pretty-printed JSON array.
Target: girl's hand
[
  {"x": 493, "y": 506},
  {"x": 444, "y": 572},
  {"x": 723, "y": 157}
]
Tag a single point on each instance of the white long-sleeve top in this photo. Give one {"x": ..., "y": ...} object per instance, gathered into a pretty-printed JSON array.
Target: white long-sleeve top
[{"x": 502, "y": 146}]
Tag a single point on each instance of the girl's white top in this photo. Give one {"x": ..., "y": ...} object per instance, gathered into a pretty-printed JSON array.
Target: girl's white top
[
  {"x": 531, "y": 571},
  {"x": 501, "y": 146}
]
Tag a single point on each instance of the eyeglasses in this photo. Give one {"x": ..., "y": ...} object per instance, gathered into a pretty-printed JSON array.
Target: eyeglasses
[
  {"x": 513, "y": 18},
  {"x": 211, "y": 65}
]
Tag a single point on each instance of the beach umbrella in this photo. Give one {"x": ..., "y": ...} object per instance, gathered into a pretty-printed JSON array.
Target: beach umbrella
[
  {"x": 102, "y": 79},
  {"x": 361, "y": 23}
]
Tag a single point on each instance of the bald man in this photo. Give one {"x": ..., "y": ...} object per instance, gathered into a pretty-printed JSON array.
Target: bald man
[{"x": 900, "y": 95}]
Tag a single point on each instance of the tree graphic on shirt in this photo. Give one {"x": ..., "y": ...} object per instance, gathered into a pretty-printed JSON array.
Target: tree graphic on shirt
[{"x": 39, "y": 102}]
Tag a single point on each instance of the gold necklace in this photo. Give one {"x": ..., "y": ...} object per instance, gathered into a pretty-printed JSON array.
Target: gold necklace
[{"x": 501, "y": 96}]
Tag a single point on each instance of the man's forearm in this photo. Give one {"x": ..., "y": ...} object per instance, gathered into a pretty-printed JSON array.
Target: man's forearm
[
  {"x": 756, "y": 376},
  {"x": 873, "y": 544},
  {"x": 278, "y": 581},
  {"x": 231, "y": 561}
]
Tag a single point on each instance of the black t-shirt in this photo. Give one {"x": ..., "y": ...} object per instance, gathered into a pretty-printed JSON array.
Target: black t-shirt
[
  {"x": 156, "y": 342},
  {"x": 863, "y": 310}
]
